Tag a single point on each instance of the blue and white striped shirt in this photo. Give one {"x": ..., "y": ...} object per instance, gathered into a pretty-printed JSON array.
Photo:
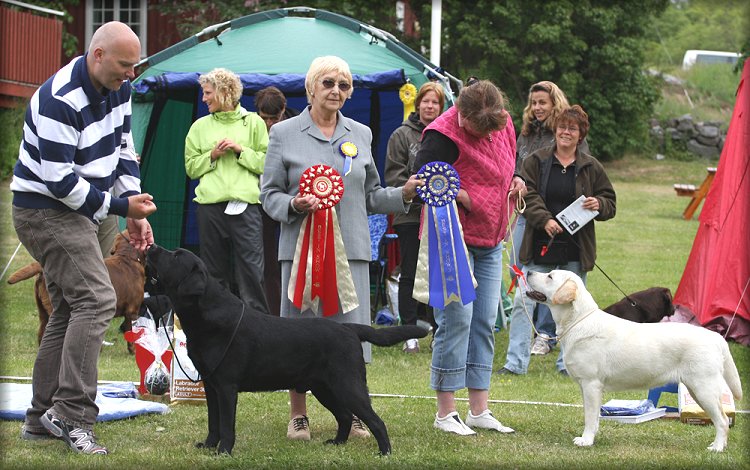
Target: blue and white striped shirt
[{"x": 77, "y": 151}]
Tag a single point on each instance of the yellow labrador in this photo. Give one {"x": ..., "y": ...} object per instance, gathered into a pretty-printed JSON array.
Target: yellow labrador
[{"x": 602, "y": 352}]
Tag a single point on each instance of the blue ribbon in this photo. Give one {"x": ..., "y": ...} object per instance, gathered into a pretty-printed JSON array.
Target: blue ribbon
[{"x": 450, "y": 277}]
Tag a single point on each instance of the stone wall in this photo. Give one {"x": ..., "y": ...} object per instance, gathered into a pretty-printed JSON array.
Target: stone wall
[{"x": 705, "y": 139}]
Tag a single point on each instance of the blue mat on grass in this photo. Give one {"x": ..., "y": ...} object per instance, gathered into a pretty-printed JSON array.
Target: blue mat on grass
[{"x": 115, "y": 401}]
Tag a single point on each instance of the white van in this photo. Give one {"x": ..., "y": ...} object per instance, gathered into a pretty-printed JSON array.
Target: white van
[{"x": 708, "y": 57}]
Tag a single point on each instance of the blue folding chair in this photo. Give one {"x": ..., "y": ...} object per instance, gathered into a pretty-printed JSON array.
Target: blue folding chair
[{"x": 378, "y": 224}]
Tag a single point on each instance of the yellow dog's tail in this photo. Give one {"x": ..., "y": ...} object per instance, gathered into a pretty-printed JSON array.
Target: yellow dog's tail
[
  {"x": 731, "y": 376},
  {"x": 27, "y": 272}
]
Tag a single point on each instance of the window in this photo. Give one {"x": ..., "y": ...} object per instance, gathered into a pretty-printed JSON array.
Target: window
[{"x": 130, "y": 12}]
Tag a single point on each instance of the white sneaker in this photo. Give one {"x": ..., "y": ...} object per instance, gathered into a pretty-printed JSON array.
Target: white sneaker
[
  {"x": 540, "y": 347},
  {"x": 452, "y": 423},
  {"x": 485, "y": 420}
]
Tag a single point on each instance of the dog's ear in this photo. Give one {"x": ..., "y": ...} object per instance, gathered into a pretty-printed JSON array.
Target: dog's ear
[
  {"x": 194, "y": 283},
  {"x": 566, "y": 293}
]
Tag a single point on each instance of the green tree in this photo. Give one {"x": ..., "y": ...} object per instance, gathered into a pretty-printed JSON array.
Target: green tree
[
  {"x": 697, "y": 24},
  {"x": 591, "y": 48}
]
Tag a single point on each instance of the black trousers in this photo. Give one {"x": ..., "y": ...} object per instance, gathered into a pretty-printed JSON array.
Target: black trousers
[
  {"x": 232, "y": 248},
  {"x": 408, "y": 308}
]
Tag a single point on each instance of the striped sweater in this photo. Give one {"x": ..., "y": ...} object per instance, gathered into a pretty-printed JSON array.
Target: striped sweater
[{"x": 77, "y": 151}]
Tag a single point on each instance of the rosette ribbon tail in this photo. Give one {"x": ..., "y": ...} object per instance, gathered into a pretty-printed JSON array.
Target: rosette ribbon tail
[
  {"x": 320, "y": 271},
  {"x": 450, "y": 277}
]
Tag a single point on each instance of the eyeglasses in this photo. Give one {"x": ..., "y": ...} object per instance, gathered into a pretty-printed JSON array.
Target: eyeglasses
[
  {"x": 570, "y": 129},
  {"x": 330, "y": 83}
]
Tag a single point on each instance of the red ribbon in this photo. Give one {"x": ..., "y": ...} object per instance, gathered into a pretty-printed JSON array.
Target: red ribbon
[{"x": 319, "y": 232}]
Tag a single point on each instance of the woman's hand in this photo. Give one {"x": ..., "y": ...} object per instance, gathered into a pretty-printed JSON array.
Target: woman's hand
[
  {"x": 222, "y": 146},
  {"x": 552, "y": 228},
  {"x": 307, "y": 204},
  {"x": 464, "y": 199},
  {"x": 591, "y": 203},
  {"x": 409, "y": 189},
  {"x": 517, "y": 187}
]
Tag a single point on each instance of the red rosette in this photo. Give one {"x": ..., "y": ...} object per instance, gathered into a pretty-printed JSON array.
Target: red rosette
[
  {"x": 323, "y": 182},
  {"x": 320, "y": 270}
]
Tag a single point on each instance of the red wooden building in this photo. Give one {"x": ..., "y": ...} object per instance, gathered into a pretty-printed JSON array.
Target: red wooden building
[{"x": 31, "y": 38}]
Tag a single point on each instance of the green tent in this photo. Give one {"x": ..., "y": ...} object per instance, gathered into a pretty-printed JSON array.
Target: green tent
[{"x": 268, "y": 48}]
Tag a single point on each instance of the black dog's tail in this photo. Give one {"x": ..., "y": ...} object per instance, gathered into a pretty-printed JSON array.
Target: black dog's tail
[{"x": 387, "y": 336}]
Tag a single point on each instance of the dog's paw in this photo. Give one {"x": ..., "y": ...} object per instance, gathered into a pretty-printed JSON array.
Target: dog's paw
[
  {"x": 716, "y": 447},
  {"x": 334, "y": 442},
  {"x": 583, "y": 441},
  {"x": 204, "y": 445}
]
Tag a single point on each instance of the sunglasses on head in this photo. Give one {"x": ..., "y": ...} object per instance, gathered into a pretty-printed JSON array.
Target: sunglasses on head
[{"x": 329, "y": 83}]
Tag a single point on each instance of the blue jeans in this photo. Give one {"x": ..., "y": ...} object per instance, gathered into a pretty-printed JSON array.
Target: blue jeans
[
  {"x": 519, "y": 342},
  {"x": 542, "y": 316},
  {"x": 464, "y": 344}
]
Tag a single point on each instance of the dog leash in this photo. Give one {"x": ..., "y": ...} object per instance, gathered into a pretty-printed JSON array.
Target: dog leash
[
  {"x": 10, "y": 260},
  {"x": 223, "y": 355},
  {"x": 633, "y": 303}
]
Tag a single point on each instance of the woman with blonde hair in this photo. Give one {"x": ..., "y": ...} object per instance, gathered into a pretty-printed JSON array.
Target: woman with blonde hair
[
  {"x": 403, "y": 146},
  {"x": 226, "y": 151},
  {"x": 322, "y": 135}
]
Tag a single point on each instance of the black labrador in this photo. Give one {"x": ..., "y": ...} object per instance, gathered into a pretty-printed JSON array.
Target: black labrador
[
  {"x": 235, "y": 348},
  {"x": 645, "y": 306}
]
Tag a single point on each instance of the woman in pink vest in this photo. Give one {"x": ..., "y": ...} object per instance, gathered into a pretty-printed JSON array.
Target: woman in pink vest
[{"x": 477, "y": 137}]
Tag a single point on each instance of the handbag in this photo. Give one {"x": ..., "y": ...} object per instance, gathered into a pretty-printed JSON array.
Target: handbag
[{"x": 556, "y": 254}]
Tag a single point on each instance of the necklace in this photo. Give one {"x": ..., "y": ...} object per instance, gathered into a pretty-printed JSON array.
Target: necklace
[{"x": 564, "y": 166}]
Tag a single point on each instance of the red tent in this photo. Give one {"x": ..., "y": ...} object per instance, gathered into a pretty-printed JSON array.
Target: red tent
[{"x": 715, "y": 282}]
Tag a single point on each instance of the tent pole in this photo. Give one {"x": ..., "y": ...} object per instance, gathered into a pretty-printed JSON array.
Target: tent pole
[{"x": 437, "y": 12}]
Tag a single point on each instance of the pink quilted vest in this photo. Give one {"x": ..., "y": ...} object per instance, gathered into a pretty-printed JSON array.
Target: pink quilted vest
[{"x": 486, "y": 169}]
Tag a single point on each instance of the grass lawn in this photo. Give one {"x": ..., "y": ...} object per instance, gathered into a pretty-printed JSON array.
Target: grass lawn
[{"x": 646, "y": 245}]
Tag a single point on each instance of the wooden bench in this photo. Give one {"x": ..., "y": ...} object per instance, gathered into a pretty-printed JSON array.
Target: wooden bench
[{"x": 697, "y": 195}]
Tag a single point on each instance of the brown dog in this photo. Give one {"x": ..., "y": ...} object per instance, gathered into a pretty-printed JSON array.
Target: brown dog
[
  {"x": 646, "y": 306},
  {"x": 126, "y": 271}
]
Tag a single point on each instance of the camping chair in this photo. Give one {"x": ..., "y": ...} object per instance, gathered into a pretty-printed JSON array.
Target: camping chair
[{"x": 379, "y": 240}]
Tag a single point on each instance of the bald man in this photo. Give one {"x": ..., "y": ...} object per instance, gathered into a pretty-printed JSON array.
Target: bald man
[{"x": 76, "y": 166}]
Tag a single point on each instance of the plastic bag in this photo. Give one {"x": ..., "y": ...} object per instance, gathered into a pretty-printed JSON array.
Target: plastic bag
[{"x": 155, "y": 341}]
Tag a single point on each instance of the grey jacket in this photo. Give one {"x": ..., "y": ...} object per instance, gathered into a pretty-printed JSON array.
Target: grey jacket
[
  {"x": 399, "y": 163},
  {"x": 296, "y": 144}
]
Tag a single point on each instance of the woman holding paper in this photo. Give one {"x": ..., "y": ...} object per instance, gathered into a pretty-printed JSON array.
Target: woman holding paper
[{"x": 556, "y": 177}]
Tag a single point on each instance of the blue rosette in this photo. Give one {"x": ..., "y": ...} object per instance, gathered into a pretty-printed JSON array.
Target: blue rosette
[{"x": 443, "y": 271}]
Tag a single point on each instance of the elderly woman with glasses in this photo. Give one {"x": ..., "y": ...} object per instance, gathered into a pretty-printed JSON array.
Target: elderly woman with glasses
[
  {"x": 477, "y": 137},
  {"x": 557, "y": 176},
  {"x": 322, "y": 135}
]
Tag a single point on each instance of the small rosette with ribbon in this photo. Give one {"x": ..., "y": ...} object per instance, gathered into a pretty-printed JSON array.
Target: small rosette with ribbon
[
  {"x": 443, "y": 271},
  {"x": 320, "y": 270},
  {"x": 349, "y": 151}
]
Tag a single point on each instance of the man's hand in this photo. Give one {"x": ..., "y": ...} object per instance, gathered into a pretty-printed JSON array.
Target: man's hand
[
  {"x": 141, "y": 206},
  {"x": 141, "y": 236}
]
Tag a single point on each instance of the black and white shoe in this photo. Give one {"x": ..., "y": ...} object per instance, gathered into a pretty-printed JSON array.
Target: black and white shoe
[{"x": 79, "y": 439}]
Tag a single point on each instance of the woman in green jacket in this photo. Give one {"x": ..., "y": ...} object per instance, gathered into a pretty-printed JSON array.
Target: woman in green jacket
[{"x": 226, "y": 151}]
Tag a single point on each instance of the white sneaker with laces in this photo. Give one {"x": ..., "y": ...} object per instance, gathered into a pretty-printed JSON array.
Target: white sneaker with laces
[
  {"x": 540, "y": 347},
  {"x": 452, "y": 423},
  {"x": 485, "y": 420}
]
